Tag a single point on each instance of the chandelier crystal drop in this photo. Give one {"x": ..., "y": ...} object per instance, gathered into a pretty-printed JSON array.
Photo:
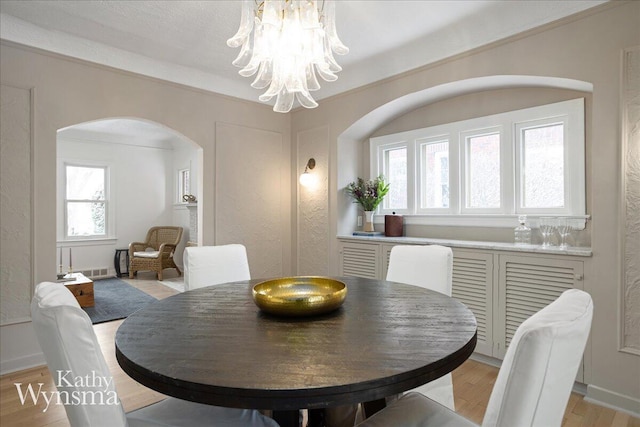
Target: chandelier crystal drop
[{"x": 286, "y": 44}]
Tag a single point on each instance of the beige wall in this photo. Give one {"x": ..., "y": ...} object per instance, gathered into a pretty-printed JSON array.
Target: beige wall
[
  {"x": 67, "y": 92},
  {"x": 312, "y": 213},
  {"x": 584, "y": 52}
]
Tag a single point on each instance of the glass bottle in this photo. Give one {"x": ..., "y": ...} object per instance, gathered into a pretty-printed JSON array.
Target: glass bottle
[{"x": 522, "y": 233}]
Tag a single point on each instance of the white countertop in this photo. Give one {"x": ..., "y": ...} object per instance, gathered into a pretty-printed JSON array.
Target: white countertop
[{"x": 470, "y": 244}]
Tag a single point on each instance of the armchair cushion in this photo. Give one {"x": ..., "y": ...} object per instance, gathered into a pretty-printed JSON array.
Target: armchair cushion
[{"x": 147, "y": 254}]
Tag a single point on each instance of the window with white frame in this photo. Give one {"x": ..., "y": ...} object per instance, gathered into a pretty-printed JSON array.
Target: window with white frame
[
  {"x": 482, "y": 171},
  {"x": 184, "y": 184},
  {"x": 434, "y": 172},
  {"x": 394, "y": 164},
  {"x": 541, "y": 165},
  {"x": 86, "y": 201},
  {"x": 528, "y": 161}
]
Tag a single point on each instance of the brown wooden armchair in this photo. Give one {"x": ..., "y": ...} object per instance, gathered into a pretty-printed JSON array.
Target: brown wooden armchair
[{"x": 163, "y": 241}]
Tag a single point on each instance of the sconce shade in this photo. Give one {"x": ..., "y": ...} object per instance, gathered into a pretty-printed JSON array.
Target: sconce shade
[{"x": 307, "y": 179}]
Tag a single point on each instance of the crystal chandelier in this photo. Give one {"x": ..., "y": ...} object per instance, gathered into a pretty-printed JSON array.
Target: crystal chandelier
[{"x": 292, "y": 41}]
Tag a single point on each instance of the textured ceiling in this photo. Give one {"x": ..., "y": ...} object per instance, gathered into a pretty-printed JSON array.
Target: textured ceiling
[{"x": 185, "y": 41}]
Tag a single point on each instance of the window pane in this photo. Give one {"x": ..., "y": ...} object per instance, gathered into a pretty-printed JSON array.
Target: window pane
[
  {"x": 543, "y": 167},
  {"x": 396, "y": 174},
  {"x": 186, "y": 184},
  {"x": 85, "y": 183},
  {"x": 86, "y": 218},
  {"x": 484, "y": 171},
  {"x": 435, "y": 175}
]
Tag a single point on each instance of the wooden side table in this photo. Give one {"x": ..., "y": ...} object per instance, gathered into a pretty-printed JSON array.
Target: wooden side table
[{"x": 82, "y": 288}]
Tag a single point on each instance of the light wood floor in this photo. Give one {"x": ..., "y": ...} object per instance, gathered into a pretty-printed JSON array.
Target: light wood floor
[{"x": 472, "y": 383}]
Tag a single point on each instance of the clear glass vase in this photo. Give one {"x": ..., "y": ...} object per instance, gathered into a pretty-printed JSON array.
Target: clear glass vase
[
  {"x": 522, "y": 233},
  {"x": 547, "y": 230}
]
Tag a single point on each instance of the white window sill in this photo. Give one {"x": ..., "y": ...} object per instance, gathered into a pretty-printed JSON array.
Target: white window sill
[
  {"x": 495, "y": 221},
  {"x": 87, "y": 242}
]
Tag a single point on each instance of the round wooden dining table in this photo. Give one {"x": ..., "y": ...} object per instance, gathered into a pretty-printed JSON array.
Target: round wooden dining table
[{"x": 213, "y": 345}]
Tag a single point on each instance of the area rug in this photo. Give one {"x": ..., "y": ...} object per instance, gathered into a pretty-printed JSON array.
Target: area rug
[{"x": 115, "y": 299}]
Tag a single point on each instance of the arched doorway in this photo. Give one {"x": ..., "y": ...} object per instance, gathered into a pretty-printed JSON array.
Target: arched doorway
[{"x": 145, "y": 166}]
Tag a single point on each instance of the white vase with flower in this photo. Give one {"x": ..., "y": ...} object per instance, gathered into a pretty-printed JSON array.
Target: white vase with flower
[{"x": 368, "y": 194}]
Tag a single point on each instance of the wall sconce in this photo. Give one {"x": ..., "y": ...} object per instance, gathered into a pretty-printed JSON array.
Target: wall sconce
[{"x": 306, "y": 179}]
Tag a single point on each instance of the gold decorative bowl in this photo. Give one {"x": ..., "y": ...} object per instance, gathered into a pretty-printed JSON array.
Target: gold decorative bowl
[{"x": 299, "y": 296}]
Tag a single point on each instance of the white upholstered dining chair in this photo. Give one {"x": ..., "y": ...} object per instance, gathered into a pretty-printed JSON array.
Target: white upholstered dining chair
[
  {"x": 534, "y": 381},
  {"x": 71, "y": 349},
  {"x": 430, "y": 267},
  {"x": 212, "y": 265}
]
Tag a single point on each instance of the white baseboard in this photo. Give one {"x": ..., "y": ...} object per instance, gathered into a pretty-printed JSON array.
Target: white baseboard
[
  {"x": 496, "y": 363},
  {"x": 487, "y": 360},
  {"x": 611, "y": 399},
  {"x": 26, "y": 362},
  {"x": 592, "y": 394}
]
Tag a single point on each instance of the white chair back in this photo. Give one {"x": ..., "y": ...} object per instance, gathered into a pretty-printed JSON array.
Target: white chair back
[
  {"x": 212, "y": 265},
  {"x": 430, "y": 267},
  {"x": 540, "y": 367},
  {"x": 72, "y": 352},
  {"x": 80, "y": 371},
  {"x": 535, "y": 379}
]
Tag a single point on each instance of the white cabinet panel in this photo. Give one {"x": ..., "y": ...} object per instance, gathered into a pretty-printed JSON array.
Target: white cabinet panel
[
  {"x": 502, "y": 289},
  {"x": 473, "y": 286},
  {"x": 526, "y": 285},
  {"x": 386, "y": 254},
  {"x": 360, "y": 260}
]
